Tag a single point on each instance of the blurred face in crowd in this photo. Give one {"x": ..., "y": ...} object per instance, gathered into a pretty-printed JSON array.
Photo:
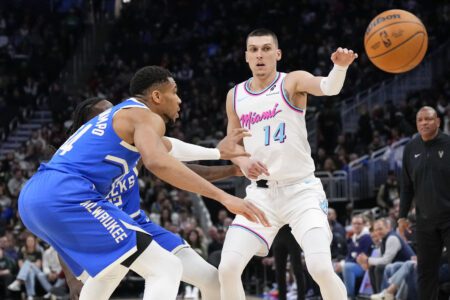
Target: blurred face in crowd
[
  {"x": 262, "y": 55},
  {"x": 193, "y": 236},
  {"x": 222, "y": 215},
  {"x": 331, "y": 215},
  {"x": 3, "y": 242},
  {"x": 212, "y": 232},
  {"x": 357, "y": 225},
  {"x": 30, "y": 242},
  {"x": 427, "y": 123},
  {"x": 381, "y": 229},
  {"x": 374, "y": 237}
]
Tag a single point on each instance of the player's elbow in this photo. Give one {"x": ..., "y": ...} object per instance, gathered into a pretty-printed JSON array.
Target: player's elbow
[{"x": 156, "y": 164}]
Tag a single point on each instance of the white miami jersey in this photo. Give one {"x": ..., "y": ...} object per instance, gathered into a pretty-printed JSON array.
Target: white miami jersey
[{"x": 278, "y": 130}]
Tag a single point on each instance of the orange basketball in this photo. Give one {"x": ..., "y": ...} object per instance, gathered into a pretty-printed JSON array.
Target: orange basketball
[{"x": 396, "y": 41}]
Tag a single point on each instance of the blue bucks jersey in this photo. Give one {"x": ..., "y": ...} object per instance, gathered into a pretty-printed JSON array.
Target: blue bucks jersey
[
  {"x": 125, "y": 196},
  {"x": 96, "y": 152}
]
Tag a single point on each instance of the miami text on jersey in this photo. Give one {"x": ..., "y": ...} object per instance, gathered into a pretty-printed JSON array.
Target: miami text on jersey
[{"x": 247, "y": 120}]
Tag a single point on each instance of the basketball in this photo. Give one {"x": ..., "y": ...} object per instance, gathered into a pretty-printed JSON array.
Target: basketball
[{"x": 396, "y": 41}]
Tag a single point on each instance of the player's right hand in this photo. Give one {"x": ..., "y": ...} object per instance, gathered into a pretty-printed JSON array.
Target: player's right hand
[
  {"x": 245, "y": 208},
  {"x": 229, "y": 147},
  {"x": 343, "y": 57},
  {"x": 252, "y": 169}
]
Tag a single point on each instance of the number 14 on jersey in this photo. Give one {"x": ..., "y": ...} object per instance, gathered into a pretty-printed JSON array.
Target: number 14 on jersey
[{"x": 278, "y": 136}]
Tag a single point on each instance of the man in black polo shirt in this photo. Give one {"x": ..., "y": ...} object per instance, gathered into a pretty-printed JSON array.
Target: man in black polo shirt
[{"x": 426, "y": 179}]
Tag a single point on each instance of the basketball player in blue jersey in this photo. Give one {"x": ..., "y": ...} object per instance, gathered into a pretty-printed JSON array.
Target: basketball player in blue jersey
[
  {"x": 65, "y": 204},
  {"x": 272, "y": 105},
  {"x": 196, "y": 270}
]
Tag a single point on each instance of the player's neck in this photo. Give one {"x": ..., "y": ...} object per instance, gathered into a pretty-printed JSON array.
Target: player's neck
[
  {"x": 142, "y": 100},
  {"x": 260, "y": 82}
]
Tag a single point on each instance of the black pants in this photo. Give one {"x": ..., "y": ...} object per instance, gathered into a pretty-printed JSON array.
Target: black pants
[
  {"x": 376, "y": 277},
  {"x": 283, "y": 245},
  {"x": 430, "y": 242},
  {"x": 5, "y": 280}
]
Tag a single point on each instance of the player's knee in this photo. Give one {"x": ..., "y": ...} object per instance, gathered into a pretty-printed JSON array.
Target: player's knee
[
  {"x": 228, "y": 270},
  {"x": 319, "y": 271},
  {"x": 319, "y": 268},
  {"x": 173, "y": 264},
  {"x": 210, "y": 279}
]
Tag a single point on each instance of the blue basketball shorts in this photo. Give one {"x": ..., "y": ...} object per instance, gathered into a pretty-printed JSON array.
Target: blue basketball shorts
[
  {"x": 67, "y": 212},
  {"x": 166, "y": 239}
]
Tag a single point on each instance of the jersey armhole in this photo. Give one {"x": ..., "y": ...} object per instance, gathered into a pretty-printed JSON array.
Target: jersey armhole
[
  {"x": 234, "y": 97},
  {"x": 285, "y": 98}
]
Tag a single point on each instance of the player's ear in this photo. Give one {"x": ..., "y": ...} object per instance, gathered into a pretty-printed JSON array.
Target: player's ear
[
  {"x": 156, "y": 96},
  {"x": 278, "y": 54}
]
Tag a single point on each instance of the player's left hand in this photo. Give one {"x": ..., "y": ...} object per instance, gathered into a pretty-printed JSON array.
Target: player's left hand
[
  {"x": 229, "y": 147},
  {"x": 343, "y": 57}
]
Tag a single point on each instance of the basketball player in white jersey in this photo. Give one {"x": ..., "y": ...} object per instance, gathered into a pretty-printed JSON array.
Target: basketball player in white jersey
[{"x": 272, "y": 106}]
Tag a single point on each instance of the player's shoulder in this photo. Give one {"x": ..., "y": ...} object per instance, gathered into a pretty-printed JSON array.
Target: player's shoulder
[
  {"x": 294, "y": 80},
  {"x": 233, "y": 91},
  {"x": 138, "y": 112},
  {"x": 298, "y": 75}
]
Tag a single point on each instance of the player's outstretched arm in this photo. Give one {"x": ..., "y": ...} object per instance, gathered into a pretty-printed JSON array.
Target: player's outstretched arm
[
  {"x": 145, "y": 130},
  {"x": 305, "y": 82},
  {"x": 227, "y": 148}
]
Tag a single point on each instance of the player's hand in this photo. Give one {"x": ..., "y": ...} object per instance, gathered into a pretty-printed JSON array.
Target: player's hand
[
  {"x": 74, "y": 289},
  {"x": 245, "y": 208},
  {"x": 343, "y": 57},
  {"x": 403, "y": 225},
  {"x": 252, "y": 169},
  {"x": 229, "y": 147}
]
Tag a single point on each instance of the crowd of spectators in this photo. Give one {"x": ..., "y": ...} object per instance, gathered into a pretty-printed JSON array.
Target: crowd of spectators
[
  {"x": 36, "y": 41},
  {"x": 203, "y": 46}
]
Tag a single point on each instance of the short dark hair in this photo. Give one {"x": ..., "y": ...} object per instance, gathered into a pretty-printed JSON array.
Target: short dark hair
[
  {"x": 263, "y": 32},
  {"x": 82, "y": 111},
  {"x": 147, "y": 77}
]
